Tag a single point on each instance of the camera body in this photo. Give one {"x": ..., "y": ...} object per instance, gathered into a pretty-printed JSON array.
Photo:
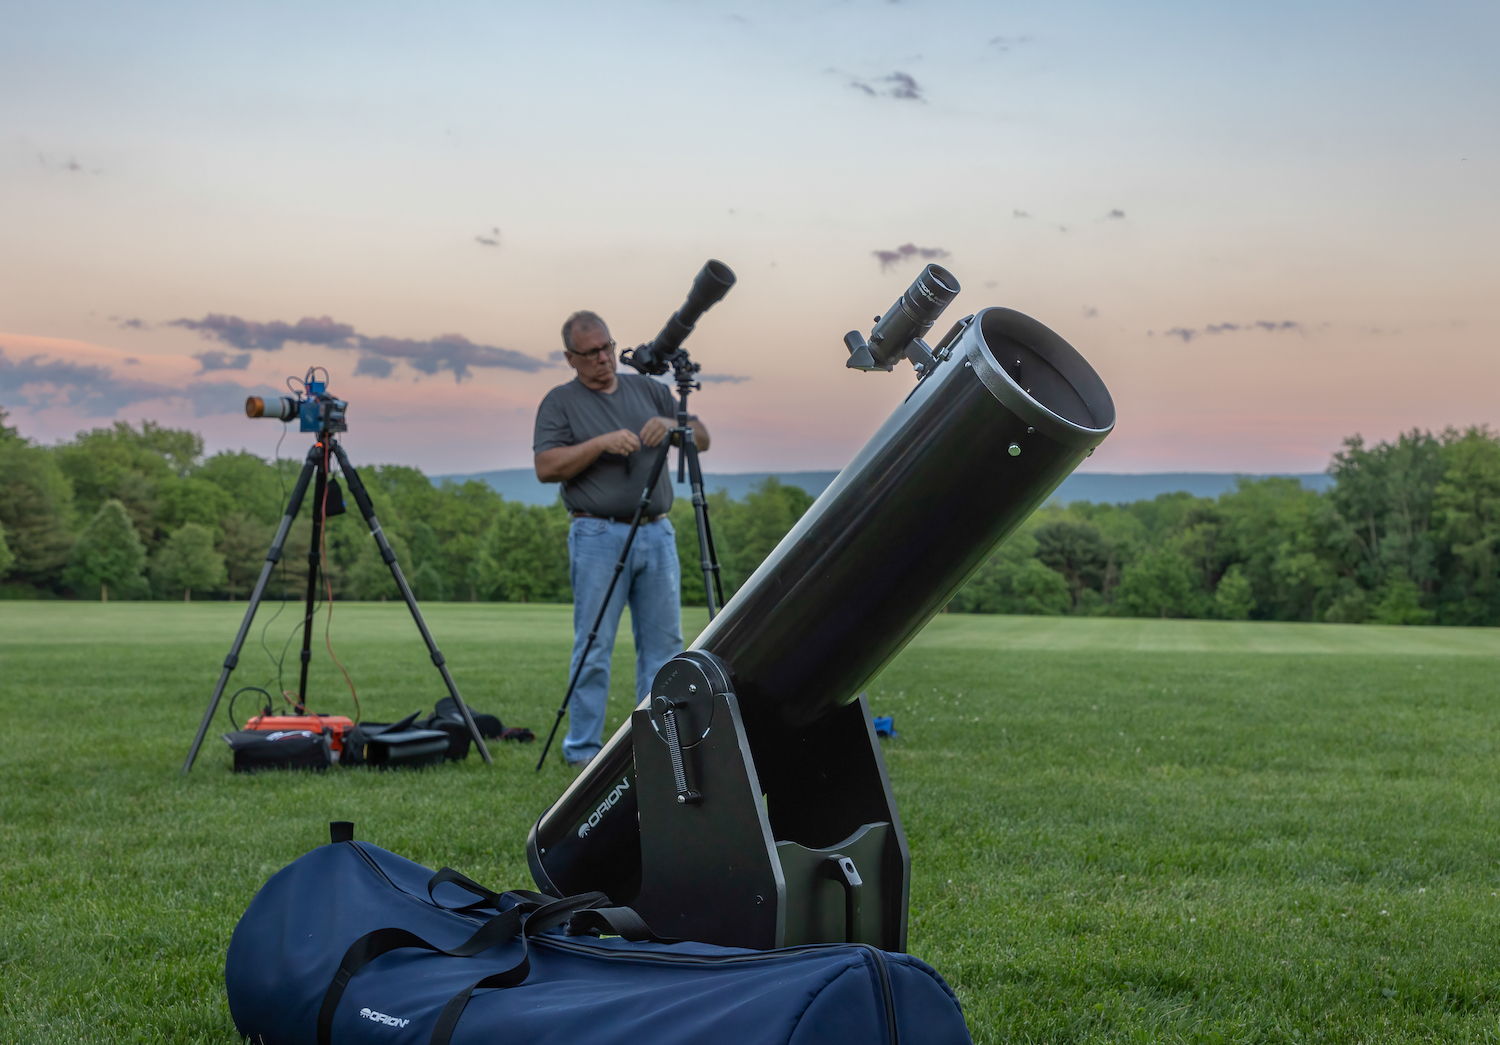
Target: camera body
[{"x": 313, "y": 407}]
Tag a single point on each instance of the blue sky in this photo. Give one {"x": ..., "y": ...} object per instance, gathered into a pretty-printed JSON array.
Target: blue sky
[{"x": 1268, "y": 226}]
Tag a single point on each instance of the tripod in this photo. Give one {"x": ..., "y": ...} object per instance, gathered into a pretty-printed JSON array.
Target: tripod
[
  {"x": 316, "y": 469},
  {"x": 687, "y": 458}
]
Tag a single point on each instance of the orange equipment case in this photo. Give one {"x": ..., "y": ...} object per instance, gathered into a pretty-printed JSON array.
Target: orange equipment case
[{"x": 338, "y": 725}]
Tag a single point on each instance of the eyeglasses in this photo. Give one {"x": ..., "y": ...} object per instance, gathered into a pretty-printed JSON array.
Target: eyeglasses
[{"x": 593, "y": 355}]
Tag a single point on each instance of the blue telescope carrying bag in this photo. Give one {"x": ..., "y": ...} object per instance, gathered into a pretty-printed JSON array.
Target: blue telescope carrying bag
[{"x": 351, "y": 944}]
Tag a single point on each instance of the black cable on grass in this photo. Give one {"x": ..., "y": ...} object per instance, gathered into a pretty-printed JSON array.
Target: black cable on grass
[{"x": 246, "y": 689}]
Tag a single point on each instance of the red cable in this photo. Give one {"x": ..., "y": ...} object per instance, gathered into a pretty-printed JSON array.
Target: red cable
[{"x": 327, "y": 580}]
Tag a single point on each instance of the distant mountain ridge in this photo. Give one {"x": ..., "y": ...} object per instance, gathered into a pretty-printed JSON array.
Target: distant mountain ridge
[{"x": 520, "y": 484}]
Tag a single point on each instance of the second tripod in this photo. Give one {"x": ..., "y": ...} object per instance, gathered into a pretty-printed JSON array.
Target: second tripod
[
  {"x": 685, "y": 371},
  {"x": 326, "y": 501}
]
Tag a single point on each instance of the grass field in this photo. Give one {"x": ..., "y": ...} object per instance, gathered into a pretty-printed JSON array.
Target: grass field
[{"x": 1121, "y": 830}]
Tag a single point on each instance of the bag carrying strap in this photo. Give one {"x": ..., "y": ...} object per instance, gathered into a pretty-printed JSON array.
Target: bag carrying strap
[
  {"x": 497, "y": 930},
  {"x": 621, "y": 921},
  {"x": 539, "y": 921}
]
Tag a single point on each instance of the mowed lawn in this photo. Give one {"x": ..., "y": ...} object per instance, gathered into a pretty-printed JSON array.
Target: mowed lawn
[{"x": 1121, "y": 830}]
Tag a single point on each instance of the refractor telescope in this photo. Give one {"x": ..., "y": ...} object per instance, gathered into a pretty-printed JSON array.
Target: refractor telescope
[
  {"x": 746, "y": 801},
  {"x": 709, "y": 286}
]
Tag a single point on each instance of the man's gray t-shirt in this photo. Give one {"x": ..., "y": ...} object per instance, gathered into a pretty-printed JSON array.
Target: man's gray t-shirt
[{"x": 574, "y": 413}]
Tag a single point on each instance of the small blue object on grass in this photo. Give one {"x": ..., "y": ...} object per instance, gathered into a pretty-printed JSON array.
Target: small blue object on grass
[{"x": 885, "y": 726}]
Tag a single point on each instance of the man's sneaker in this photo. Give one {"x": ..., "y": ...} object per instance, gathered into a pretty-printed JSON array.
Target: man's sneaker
[{"x": 579, "y": 763}]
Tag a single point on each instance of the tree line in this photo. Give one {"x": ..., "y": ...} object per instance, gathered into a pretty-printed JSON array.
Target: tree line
[{"x": 1409, "y": 533}]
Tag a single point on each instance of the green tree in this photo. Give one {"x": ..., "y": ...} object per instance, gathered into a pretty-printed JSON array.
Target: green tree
[
  {"x": 7, "y": 559},
  {"x": 1077, "y": 551},
  {"x": 1159, "y": 584},
  {"x": 195, "y": 500},
  {"x": 129, "y": 465},
  {"x": 244, "y": 541},
  {"x": 1233, "y": 599},
  {"x": 1401, "y": 603},
  {"x": 523, "y": 557},
  {"x": 1466, "y": 522},
  {"x": 251, "y": 483},
  {"x": 1278, "y": 531},
  {"x": 108, "y": 553},
  {"x": 1382, "y": 498},
  {"x": 36, "y": 510},
  {"x": 187, "y": 560}
]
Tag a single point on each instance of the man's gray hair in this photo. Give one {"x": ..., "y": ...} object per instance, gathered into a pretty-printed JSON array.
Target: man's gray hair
[{"x": 584, "y": 320}]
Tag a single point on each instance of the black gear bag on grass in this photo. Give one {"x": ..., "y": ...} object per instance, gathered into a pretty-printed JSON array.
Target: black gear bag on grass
[{"x": 351, "y": 943}]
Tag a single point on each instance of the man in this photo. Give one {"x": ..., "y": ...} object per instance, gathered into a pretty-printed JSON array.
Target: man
[{"x": 597, "y": 435}]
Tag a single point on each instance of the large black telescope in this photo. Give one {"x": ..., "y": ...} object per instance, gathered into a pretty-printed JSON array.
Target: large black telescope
[{"x": 746, "y": 802}]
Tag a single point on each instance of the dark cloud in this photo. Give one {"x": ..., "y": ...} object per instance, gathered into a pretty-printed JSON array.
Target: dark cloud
[
  {"x": 70, "y": 165},
  {"x": 373, "y": 366},
  {"x": 1019, "y": 214},
  {"x": 378, "y": 355},
  {"x": 1090, "y": 313},
  {"x": 722, "y": 379},
  {"x": 216, "y": 360},
  {"x": 132, "y": 361},
  {"x": 1188, "y": 334},
  {"x": 896, "y": 85},
  {"x": 1116, "y": 213},
  {"x": 97, "y": 392},
  {"x": 491, "y": 240},
  {"x": 245, "y": 333},
  {"x": 907, "y": 252},
  {"x": 131, "y": 324},
  {"x": 903, "y": 86},
  {"x": 1006, "y": 43}
]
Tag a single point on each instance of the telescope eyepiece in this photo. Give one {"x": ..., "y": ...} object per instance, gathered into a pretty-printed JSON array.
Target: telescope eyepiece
[{"x": 898, "y": 334}]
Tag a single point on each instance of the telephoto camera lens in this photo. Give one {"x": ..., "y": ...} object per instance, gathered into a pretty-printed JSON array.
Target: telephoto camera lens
[
  {"x": 709, "y": 286},
  {"x": 282, "y": 408}
]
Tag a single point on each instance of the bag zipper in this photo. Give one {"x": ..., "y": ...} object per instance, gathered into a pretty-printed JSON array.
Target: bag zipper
[{"x": 887, "y": 996}]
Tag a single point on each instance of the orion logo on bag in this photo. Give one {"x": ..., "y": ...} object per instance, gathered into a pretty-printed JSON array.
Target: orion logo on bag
[
  {"x": 380, "y": 1017},
  {"x": 605, "y": 806}
]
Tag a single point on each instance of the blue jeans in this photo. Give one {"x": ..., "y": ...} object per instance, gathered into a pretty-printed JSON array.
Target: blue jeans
[{"x": 651, "y": 583}]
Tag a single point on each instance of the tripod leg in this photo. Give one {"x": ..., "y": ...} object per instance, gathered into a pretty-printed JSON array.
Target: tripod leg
[
  {"x": 713, "y": 589},
  {"x": 635, "y": 524},
  {"x": 314, "y": 561},
  {"x": 272, "y": 558},
  {"x": 368, "y": 511}
]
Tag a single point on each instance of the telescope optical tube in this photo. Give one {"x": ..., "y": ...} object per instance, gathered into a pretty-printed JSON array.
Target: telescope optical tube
[
  {"x": 980, "y": 443},
  {"x": 709, "y": 287}
]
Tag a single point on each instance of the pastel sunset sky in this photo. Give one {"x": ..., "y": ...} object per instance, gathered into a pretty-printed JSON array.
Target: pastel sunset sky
[{"x": 1267, "y": 225}]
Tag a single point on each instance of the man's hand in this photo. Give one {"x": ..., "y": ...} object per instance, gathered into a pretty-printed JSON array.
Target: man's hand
[
  {"x": 655, "y": 430},
  {"x": 621, "y": 442}
]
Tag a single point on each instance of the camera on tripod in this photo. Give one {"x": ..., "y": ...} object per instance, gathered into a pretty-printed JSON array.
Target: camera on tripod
[{"x": 312, "y": 405}]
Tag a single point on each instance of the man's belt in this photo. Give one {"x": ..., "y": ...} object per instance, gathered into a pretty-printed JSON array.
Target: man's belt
[{"x": 626, "y": 519}]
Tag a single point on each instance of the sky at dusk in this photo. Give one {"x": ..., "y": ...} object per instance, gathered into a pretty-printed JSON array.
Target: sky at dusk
[{"x": 1267, "y": 226}]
